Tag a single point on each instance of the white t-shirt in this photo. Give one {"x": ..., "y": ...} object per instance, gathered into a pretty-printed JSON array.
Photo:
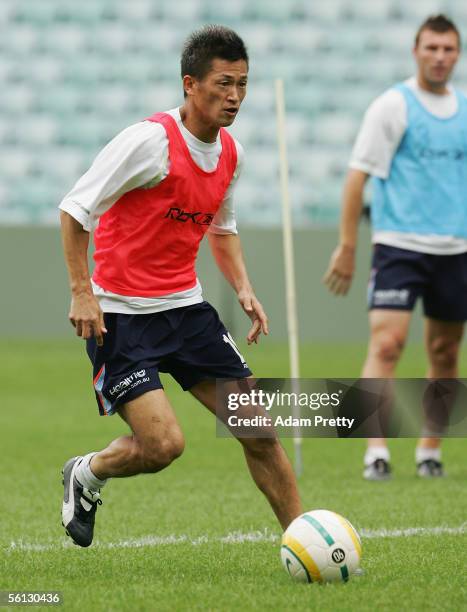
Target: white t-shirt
[
  {"x": 381, "y": 132},
  {"x": 138, "y": 158}
]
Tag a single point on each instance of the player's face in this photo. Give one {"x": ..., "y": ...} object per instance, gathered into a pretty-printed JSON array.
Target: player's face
[
  {"x": 436, "y": 55},
  {"x": 219, "y": 94}
]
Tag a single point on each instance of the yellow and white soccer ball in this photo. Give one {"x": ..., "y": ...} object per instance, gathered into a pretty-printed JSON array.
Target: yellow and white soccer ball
[{"x": 321, "y": 546}]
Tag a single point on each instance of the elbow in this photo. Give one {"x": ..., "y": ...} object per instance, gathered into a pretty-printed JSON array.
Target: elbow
[{"x": 69, "y": 223}]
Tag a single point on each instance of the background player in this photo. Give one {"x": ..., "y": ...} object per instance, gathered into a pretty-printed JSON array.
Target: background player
[
  {"x": 413, "y": 142},
  {"x": 157, "y": 188}
]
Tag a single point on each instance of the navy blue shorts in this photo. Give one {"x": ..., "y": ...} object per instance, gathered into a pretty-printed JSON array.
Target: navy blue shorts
[
  {"x": 398, "y": 277},
  {"x": 190, "y": 343}
]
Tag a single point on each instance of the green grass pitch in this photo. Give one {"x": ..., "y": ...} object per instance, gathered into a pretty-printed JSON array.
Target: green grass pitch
[{"x": 173, "y": 541}]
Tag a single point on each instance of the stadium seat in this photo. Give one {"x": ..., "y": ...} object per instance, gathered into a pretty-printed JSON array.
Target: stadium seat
[
  {"x": 41, "y": 70},
  {"x": 4, "y": 202},
  {"x": 417, "y": 12},
  {"x": 386, "y": 70},
  {"x": 351, "y": 40},
  {"x": 213, "y": 11},
  {"x": 401, "y": 41},
  {"x": 86, "y": 13},
  {"x": 8, "y": 71},
  {"x": 36, "y": 196},
  {"x": 63, "y": 101},
  {"x": 262, "y": 11},
  {"x": 308, "y": 99},
  {"x": 8, "y": 132},
  {"x": 457, "y": 11},
  {"x": 7, "y": 12},
  {"x": 13, "y": 213},
  {"x": 329, "y": 201},
  {"x": 329, "y": 11},
  {"x": 159, "y": 38},
  {"x": 260, "y": 98},
  {"x": 297, "y": 129},
  {"x": 251, "y": 131},
  {"x": 364, "y": 11},
  {"x": 63, "y": 165},
  {"x": 315, "y": 165},
  {"x": 138, "y": 11},
  {"x": 158, "y": 97},
  {"x": 262, "y": 164},
  {"x": 335, "y": 129},
  {"x": 257, "y": 203},
  {"x": 260, "y": 39},
  {"x": 17, "y": 99},
  {"x": 182, "y": 11},
  {"x": 359, "y": 98},
  {"x": 36, "y": 130},
  {"x": 88, "y": 132},
  {"x": 20, "y": 41},
  {"x": 244, "y": 129},
  {"x": 114, "y": 99},
  {"x": 301, "y": 38},
  {"x": 15, "y": 163},
  {"x": 111, "y": 39},
  {"x": 39, "y": 14},
  {"x": 289, "y": 66},
  {"x": 62, "y": 41}
]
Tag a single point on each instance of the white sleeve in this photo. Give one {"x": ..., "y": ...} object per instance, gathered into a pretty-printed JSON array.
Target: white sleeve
[
  {"x": 136, "y": 157},
  {"x": 224, "y": 220},
  {"x": 380, "y": 134}
]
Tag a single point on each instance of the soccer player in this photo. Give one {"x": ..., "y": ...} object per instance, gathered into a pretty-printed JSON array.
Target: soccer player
[
  {"x": 413, "y": 142},
  {"x": 153, "y": 192}
]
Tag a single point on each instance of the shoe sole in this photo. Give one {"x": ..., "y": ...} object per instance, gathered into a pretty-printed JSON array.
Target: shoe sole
[
  {"x": 68, "y": 506},
  {"x": 374, "y": 478}
]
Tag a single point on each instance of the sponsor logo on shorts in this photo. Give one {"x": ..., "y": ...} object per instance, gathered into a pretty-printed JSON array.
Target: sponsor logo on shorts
[
  {"x": 129, "y": 382},
  {"x": 198, "y": 218},
  {"x": 391, "y": 297}
]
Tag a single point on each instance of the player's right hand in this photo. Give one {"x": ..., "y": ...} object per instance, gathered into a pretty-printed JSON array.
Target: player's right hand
[
  {"x": 339, "y": 274},
  {"x": 87, "y": 317}
]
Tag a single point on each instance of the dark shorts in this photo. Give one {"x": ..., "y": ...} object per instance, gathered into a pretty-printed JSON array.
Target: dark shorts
[
  {"x": 398, "y": 277},
  {"x": 190, "y": 343}
]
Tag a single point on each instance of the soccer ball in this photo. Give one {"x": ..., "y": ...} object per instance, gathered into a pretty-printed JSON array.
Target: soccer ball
[{"x": 321, "y": 546}]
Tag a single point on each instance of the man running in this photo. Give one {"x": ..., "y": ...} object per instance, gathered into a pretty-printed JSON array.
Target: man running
[{"x": 153, "y": 192}]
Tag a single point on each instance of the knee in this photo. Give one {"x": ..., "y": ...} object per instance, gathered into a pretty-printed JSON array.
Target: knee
[
  {"x": 443, "y": 352},
  {"x": 157, "y": 454},
  {"x": 387, "y": 346}
]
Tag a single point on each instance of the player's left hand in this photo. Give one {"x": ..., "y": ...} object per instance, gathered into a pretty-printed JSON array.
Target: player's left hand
[{"x": 255, "y": 311}]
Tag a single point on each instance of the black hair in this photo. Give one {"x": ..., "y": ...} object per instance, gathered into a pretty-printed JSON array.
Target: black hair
[
  {"x": 437, "y": 23},
  {"x": 208, "y": 43}
]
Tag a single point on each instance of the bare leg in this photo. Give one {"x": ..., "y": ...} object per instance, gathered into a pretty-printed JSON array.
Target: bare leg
[
  {"x": 268, "y": 464},
  {"x": 155, "y": 442},
  {"x": 442, "y": 340},
  {"x": 388, "y": 332}
]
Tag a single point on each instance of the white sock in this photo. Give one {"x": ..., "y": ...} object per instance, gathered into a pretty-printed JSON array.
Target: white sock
[
  {"x": 376, "y": 452},
  {"x": 423, "y": 454},
  {"x": 85, "y": 475}
]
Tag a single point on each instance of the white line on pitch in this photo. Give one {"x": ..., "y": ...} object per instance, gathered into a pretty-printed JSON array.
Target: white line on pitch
[{"x": 235, "y": 537}]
